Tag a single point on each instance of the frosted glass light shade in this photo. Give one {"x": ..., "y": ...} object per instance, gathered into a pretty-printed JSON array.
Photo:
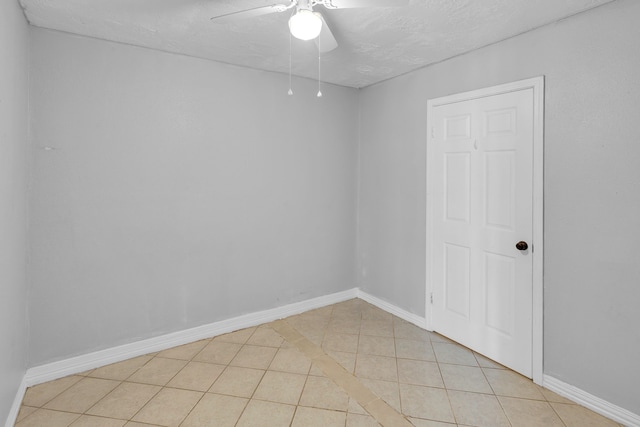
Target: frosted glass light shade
[{"x": 305, "y": 25}]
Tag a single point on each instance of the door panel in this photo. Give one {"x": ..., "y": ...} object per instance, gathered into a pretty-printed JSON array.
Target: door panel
[
  {"x": 480, "y": 169},
  {"x": 499, "y": 197},
  {"x": 499, "y": 302},
  {"x": 457, "y": 279},
  {"x": 457, "y": 186}
]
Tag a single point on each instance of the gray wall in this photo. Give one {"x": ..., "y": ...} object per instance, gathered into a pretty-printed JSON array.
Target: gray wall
[
  {"x": 13, "y": 201},
  {"x": 592, "y": 188},
  {"x": 178, "y": 192}
]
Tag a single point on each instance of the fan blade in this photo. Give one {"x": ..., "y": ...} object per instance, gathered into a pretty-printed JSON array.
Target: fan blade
[
  {"x": 256, "y": 11},
  {"x": 325, "y": 41},
  {"x": 350, "y": 4}
]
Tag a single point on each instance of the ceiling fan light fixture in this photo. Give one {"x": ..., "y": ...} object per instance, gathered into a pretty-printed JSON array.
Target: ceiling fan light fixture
[{"x": 305, "y": 24}]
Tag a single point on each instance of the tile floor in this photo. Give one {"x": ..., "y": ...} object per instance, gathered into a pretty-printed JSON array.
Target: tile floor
[{"x": 348, "y": 365}]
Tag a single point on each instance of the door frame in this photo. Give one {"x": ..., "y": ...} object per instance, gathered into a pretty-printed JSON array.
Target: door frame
[{"x": 537, "y": 84}]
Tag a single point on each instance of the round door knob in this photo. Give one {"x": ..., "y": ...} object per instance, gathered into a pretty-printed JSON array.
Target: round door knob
[{"x": 522, "y": 246}]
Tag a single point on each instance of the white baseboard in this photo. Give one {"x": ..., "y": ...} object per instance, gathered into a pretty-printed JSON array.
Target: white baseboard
[
  {"x": 392, "y": 309},
  {"x": 17, "y": 402},
  {"x": 77, "y": 364},
  {"x": 592, "y": 402}
]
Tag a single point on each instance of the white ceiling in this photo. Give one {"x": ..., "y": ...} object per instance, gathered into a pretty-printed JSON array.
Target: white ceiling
[{"x": 375, "y": 43}]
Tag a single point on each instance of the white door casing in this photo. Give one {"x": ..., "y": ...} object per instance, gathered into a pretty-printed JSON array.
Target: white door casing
[{"x": 484, "y": 194}]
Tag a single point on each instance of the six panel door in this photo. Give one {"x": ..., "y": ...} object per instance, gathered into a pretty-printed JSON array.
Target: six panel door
[{"x": 480, "y": 169}]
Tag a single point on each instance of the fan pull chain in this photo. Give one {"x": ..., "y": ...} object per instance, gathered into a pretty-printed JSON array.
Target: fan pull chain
[
  {"x": 290, "y": 92},
  {"x": 319, "y": 95}
]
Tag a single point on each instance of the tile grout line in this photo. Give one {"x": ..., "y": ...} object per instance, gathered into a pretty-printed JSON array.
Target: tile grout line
[
  {"x": 493, "y": 392},
  {"x": 444, "y": 384},
  {"x": 244, "y": 409},
  {"x": 381, "y": 411}
]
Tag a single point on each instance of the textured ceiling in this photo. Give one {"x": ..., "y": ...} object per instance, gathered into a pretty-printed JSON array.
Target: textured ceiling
[{"x": 375, "y": 43}]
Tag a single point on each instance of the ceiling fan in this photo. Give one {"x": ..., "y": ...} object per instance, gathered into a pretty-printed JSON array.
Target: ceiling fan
[{"x": 305, "y": 23}]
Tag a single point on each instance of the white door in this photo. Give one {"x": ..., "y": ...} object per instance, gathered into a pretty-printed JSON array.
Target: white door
[{"x": 480, "y": 176}]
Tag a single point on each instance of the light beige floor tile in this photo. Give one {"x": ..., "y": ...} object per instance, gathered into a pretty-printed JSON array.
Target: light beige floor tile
[
  {"x": 321, "y": 312},
  {"x": 40, "y": 394},
  {"x": 265, "y": 336},
  {"x": 316, "y": 371},
  {"x": 310, "y": 324},
  {"x": 510, "y": 384},
  {"x": 314, "y": 417},
  {"x": 380, "y": 328},
  {"x": 196, "y": 376},
  {"x": 345, "y": 325},
  {"x": 406, "y": 330},
  {"x": 350, "y": 304},
  {"x": 417, "y": 422},
  {"x": 124, "y": 401},
  {"x": 346, "y": 360},
  {"x": 340, "y": 342},
  {"x": 345, "y": 380},
  {"x": 290, "y": 360},
  {"x": 24, "y": 411},
  {"x": 425, "y": 402},
  {"x": 316, "y": 339},
  {"x": 345, "y": 309},
  {"x": 436, "y": 337},
  {"x": 419, "y": 372},
  {"x": 286, "y": 344},
  {"x": 389, "y": 391},
  {"x": 280, "y": 387},
  {"x": 323, "y": 393},
  {"x": 237, "y": 337},
  {"x": 91, "y": 421},
  {"x": 355, "y": 389},
  {"x": 309, "y": 349},
  {"x": 184, "y": 352},
  {"x": 307, "y": 327},
  {"x": 485, "y": 362},
  {"x": 251, "y": 356},
  {"x": 82, "y": 395},
  {"x": 464, "y": 378},
  {"x": 579, "y": 416},
  {"x": 377, "y": 346},
  {"x": 416, "y": 350},
  {"x": 474, "y": 409},
  {"x": 219, "y": 352},
  {"x": 286, "y": 331},
  {"x": 356, "y": 408},
  {"x": 258, "y": 411},
  {"x": 530, "y": 413},
  {"x": 122, "y": 370},
  {"x": 376, "y": 367},
  {"x": 304, "y": 321},
  {"x": 371, "y": 312},
  {"x": 347, "y": 313},
  {"x": 48, "y": 418},
  {"x": 158, "y": 371},
  {"x": 357, "y": 420},
  {"x": 386, "y": 415},
  {"x": 314, "y": 335},
  {"x": 554, "y": 397},
  {"x": 135, "y": 424},
  {"x": 453, "y": 354},
  {"x": 169, "y": 407},
  {"x": 239, "y": 382},
  {"x": 215, "y": 410}
]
